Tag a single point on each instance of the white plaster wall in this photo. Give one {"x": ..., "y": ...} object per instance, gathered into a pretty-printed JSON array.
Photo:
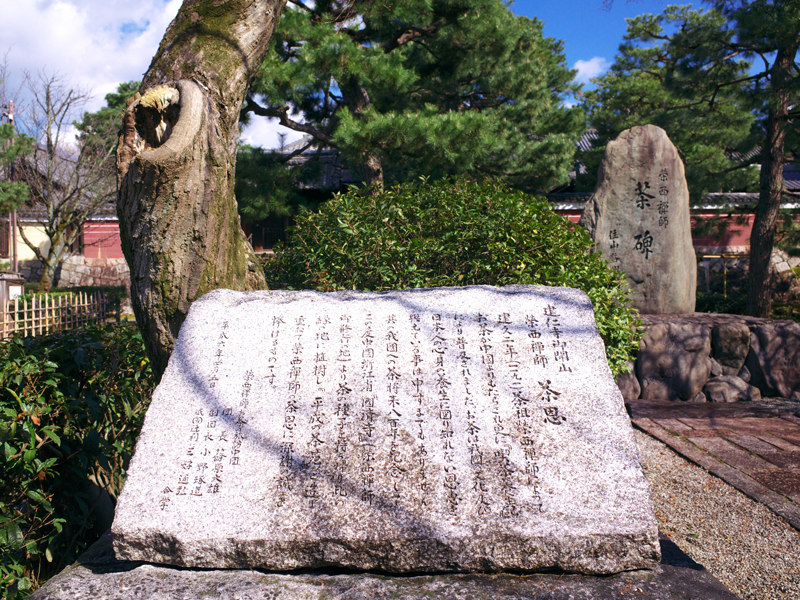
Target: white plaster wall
[{"x": 36, "y": 234}]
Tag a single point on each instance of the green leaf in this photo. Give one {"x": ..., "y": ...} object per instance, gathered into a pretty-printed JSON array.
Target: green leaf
[
  {"x": 51, "y": 434},
  {"x": 14, "y": 535},
  {"x": 35, "y": 495},
  {"x": 8, "y": 450}
]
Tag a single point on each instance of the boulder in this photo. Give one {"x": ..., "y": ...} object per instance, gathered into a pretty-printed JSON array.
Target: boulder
[
  {"x": 731, "y": 343},
  {"x": 628, "y": 384},
  {"x": 674, "y": 361},
  {"x": 716, "y": 368},
  {"x": 638, "y": 218},
  {"x": 727, "y": 388},
  {"x": 744, "y": 373},
  {"x": 774, "y": 359}
]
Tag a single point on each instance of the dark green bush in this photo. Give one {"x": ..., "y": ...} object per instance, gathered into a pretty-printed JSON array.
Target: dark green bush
[
  {"x": 71, "y": 408},
  {"x": 453, "y": 233},
  {"x": 715, "y": 302}
]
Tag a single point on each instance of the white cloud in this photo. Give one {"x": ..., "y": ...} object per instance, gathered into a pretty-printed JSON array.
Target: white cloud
[
  {"x": 263, "y": 132},
  {"x": 94, "y": 44},
  {"x": 587, "y": 69}
]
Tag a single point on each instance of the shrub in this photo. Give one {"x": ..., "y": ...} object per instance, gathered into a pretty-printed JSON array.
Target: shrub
[
  {"x": 71, "y": 408},
  {"x": 115, "y": 294},
  {"x": 453, "y": 233}
]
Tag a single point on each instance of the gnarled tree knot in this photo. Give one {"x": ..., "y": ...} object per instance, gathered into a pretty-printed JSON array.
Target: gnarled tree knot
[{"x": 156, "y": 114}]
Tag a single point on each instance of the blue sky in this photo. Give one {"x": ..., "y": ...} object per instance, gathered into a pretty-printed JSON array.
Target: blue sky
[
  {"x": 591, "y": 34},
  {"x": 97, "y": 44}
]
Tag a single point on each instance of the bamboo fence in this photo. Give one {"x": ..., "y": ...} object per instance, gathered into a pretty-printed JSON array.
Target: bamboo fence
[{"x": 45, "y": 314}]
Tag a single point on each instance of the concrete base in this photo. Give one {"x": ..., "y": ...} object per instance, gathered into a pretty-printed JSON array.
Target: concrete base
[{"x": 99, "y": 576}]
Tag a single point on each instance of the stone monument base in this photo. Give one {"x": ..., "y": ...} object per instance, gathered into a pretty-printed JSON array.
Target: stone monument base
[{"x": 99, "y": 576}]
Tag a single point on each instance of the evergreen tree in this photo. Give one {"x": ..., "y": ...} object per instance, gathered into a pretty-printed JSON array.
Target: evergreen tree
[
  {"x": 264, "y": 185},
  {"x": 708, "y": 65},
  {"x": 13, "y": 146},
  {"x": 712, "y": 125},
  {"x": 404, "y": 88},
  {"x": 101, "y": 129}
]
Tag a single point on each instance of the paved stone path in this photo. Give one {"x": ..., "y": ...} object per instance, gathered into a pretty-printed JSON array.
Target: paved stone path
[{"x": 756, "y": 449}]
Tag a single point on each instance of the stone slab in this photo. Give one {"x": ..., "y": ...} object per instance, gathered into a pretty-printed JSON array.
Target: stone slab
[
  {"x": 639, "y": 219},
  {"x": 735, "y": 457},
  {"x": 753, "y": 444},
  {"x": 99, "y": 576},
  {"x": 787, "y": 508},
  {"x": 454, "y": 429}
]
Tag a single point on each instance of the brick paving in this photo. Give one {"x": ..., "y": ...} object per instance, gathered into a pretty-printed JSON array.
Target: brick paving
[{"x": 754, "y": 448}]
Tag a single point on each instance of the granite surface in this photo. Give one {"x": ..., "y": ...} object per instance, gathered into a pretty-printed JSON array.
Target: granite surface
[
  {"x": 454, "y": 429},
  {"x": 639, "y": 219},
  {"x": 99, "y": 576}
]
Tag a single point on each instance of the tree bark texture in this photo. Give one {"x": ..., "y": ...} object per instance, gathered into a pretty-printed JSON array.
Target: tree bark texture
[
  {"x": 180, "y": 229},
  {"x": 357, "y": 100},
  {"x": 759, "y": 278}
]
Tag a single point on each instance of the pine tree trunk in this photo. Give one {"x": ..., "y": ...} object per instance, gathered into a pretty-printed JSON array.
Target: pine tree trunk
[
  {"x": 180, "y": 229},
  {"x": 759, "y": 283},
  {"x": 357, "y": 101}
]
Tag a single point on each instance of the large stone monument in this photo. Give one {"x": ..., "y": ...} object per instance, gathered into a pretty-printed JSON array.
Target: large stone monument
[
  {"x": 639, "y": 219},
  {"x": 456, "y": 429}
]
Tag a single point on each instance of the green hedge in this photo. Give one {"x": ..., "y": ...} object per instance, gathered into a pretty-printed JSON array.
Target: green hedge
[
  {"x": 71, "y": 408},
  {"x": 114, "y": 293},
  {"x": 453, "y": 233}
]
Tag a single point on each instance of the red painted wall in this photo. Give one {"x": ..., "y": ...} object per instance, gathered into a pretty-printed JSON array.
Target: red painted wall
[
  {"x": 101, "y": 239},
  {"x": 735, "y": 233}
]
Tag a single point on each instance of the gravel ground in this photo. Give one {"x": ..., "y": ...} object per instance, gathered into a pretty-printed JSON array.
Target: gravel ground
[{"x": 750, "y": 549}]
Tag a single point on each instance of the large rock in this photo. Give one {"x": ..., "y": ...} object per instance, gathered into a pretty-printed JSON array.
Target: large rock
[
  {"x": 731, "y": 343},
  {"x": 727, "y": 388},
  {"x": 628, "y": 384},
  {"x": 774, "y": 359},
  {"x": 674, "y": 361},
  {"x": 462, "y": 429},
  {"x": 639, "y": 219}
]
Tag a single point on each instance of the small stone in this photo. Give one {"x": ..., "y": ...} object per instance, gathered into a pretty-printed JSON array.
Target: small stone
[
  {"x": 730, "y": 389},
  {"x": 628, "y": 384},
  {"x": 700, "y": 397},
  {"x": 716, "y": 368},
  {"x": 744, "y": 374}
]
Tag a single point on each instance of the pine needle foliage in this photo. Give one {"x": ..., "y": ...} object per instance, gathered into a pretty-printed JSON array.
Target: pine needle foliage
[
  {"x": 712, "y": 124},
  {"x": 425, "y": 87},
  {"x": 453, "y": 233}
]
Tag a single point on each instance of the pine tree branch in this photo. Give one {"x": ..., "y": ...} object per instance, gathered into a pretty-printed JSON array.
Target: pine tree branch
[
  {"x": 287, "y": 157},
  {"x": 411, "y": 34},
  {"x": 756, "y": 160},
  {"x": 281, "y": 113},
  {"x": 299, "y": 3}
]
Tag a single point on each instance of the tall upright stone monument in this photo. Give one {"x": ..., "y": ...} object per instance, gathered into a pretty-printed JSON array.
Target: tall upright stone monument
[
  {"x": 453, "y": 429},
  {"x": 639, "y": 219}
]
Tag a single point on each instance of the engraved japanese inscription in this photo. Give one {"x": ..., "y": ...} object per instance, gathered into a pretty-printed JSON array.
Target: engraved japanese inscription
[{"x": 424, "y": 430}]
